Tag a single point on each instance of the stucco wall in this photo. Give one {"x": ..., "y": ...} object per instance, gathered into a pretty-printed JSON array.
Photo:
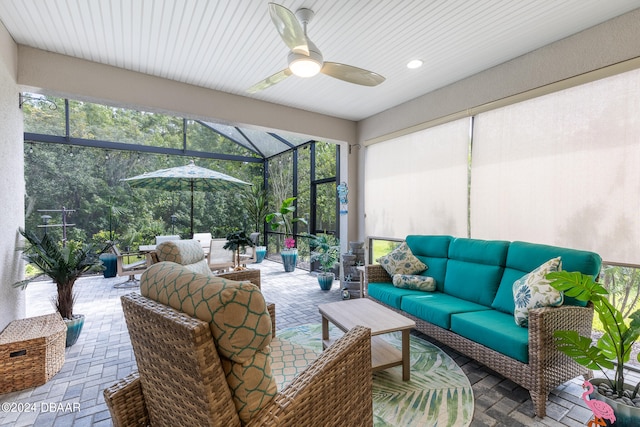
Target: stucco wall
[{"x": 11, "y": 183}]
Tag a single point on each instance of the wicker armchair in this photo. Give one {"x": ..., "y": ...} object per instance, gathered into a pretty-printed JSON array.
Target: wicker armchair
[{"x": 181, "y": 382}]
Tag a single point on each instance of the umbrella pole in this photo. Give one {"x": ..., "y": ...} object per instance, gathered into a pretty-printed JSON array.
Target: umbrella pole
[{"x": 192, "y": 209}]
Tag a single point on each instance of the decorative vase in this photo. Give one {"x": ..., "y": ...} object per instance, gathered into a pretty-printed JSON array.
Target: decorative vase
[
  {"x": 325, "y": 280},
  {"x": 289, "y": 259},
  {"x": 626, "y": 415},
  {"x": 110, "y": 262},
  {"x": 261, "y": 252},
  {"x": 74, "y": 327}
]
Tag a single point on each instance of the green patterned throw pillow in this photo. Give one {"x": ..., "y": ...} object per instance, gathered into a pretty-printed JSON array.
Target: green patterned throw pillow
[
  {"x": 412, "y": 281},
  {"x": 402, "y": 261},
  {"x": 533, "y": 291}
]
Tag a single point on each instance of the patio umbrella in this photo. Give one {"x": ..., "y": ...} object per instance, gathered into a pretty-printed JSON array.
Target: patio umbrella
[{"x": 189, "y": 177}]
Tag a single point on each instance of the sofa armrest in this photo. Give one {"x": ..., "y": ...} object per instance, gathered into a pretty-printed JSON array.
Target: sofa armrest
[
  {"x": 374, "y": 273},
  {"x": 336, "y": 389},
  {"x": 543, "y": 322},
  {"x": 126, "y": 402}
]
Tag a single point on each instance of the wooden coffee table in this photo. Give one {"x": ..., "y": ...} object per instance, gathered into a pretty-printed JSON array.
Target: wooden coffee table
[{"x": 381, "y": 320}]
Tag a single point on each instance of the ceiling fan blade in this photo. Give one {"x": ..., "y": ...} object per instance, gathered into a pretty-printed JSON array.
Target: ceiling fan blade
[
  {"x": 289, "y": 28},
  {"x": 351, "y": 74},
  {"x": 270, "y": 81}
]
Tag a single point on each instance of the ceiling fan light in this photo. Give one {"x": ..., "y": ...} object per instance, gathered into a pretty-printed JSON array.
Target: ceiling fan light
[{"x": 305, "y": 67}]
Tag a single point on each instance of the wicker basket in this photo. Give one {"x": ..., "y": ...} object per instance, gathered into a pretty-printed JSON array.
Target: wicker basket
[{"x": 31, "y": 351}]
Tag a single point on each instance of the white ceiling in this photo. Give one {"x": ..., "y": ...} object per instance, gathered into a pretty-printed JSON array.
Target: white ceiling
[{"x": 230, "y": 45}]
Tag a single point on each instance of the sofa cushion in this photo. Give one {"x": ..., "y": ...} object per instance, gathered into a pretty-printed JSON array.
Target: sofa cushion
[
  {"x": 388, "y": 294},
  {"x": 495, "y": 330},
  {"x": 180, "y": 251},
  {"x": 437, "y": 308},
  {"x": 475, "y": 268},
  {"x": 401, "y": 261},
  {"x": 526, "y": 257},
  {"x": 239, "y": 322},
  {"x": 433, "y": 251},
  {"x": 533, "y": 291},
  {"x": 412, "y": 281},
  {"x": 504, "y": 297}
]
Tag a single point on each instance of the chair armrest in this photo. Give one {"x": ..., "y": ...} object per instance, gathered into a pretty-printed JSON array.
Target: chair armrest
[
  {"x": 374, "y": 273},
  {"x": 543, "y": 322},
  {"x": 126, "y": 402},
  {"x": 335, "y": 390},
  {"x": 271, "y": 307}
]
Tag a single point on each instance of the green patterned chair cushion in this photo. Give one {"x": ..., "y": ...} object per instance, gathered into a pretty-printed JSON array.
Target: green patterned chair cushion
[
  {"x": 180, "y": 251},
  {"x": 239, "y": 322},
  {"x": 402, "y": 261},
  {"x": 412, "y": 281},
  {"x": 533, "y": 291}
]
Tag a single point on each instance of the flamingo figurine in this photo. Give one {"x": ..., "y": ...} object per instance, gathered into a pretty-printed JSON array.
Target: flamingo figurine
[{"x": 601, "y": 410}]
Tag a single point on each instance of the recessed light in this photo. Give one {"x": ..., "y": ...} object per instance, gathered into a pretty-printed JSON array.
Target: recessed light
[{"x": 415, "y": 63}]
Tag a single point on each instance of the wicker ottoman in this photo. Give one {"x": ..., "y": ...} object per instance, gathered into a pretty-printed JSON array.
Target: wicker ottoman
[{"x": 31, "y": 351}]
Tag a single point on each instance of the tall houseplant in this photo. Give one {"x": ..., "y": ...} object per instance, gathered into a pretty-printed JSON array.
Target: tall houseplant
[
  {"x": 326, "y": 251},
  {"x": 237, "y": 241},
  {"x": 63, "y": 264},
  {"x": 613, "y": 349},
  {"x": 284, "y": 218}
]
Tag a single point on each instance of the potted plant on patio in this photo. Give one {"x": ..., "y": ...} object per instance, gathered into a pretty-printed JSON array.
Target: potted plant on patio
[
  {"x": 236, "y": 242},
  {"x": 284, "y": 218},
  {"x": 63, "y": 264},
  {"x": 326, "y": 251},
  {"x": 611, "y": 351}
]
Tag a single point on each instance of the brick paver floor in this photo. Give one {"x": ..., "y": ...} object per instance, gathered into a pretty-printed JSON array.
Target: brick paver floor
[{"x": 103, "y": 354}]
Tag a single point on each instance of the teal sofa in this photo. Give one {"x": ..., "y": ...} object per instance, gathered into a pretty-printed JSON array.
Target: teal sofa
[{"x": 472, "y": 308}]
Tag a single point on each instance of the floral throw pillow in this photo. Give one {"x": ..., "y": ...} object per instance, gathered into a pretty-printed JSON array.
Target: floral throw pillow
[
  {"x": 533, "y": 291},
  {"x": 402, "y": 261},
  {"x": 410, "y": 281}
]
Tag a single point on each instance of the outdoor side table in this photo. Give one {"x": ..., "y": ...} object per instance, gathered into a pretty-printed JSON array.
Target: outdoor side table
[{"x": 31, "y": 351}]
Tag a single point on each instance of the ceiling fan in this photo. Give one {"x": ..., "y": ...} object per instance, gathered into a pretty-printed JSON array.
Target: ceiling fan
[{"x": 305, "y": 59}]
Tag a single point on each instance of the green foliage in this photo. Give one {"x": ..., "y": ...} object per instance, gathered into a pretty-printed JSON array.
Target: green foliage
[
  {"x": 325, "y": 249},
  {"x": 63, "y": 264},
  {"x": 617, "y": 341},
  {"x": 256, "y": 202},
  {"x": 237, "y": 241},
  {"x": 284, "y": 217}
]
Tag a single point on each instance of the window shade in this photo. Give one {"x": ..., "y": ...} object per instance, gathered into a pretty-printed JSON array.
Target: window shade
[
  {"x": 417, "y": 184},
  {"x": 562, "y": 169}
]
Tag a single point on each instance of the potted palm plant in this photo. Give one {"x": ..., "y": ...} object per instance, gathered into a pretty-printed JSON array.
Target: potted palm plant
[
  {"x": 326, "y": 251},
  {"x": 284, "y": 218},
  {"x": 611, "y": 351},
  {"x": 63, "y": 264},
  {"x": 236, "y": 242}
]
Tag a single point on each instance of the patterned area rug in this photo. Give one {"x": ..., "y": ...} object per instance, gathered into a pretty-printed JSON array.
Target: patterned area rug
[{"x": 438, "y": 394}]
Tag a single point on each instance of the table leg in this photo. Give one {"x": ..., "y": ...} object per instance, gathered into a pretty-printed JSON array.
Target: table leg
[
  {"x": 325, "y": 331},
  {"x": 406, "y": 356}
]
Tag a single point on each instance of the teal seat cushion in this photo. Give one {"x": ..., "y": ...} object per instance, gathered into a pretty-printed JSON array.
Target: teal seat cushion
[
  {"x": 437, "y": 308},
  {"x": 524, "y": 257},
  {"x": 433, "y": 251},
  {"x": 388, "y": 294},
  {"x": 495, "y": 330}
]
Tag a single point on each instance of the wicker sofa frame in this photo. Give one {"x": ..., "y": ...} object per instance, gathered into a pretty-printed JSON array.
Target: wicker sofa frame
[
  {"x": 547, "y": 367},
  {"x": 180, "y": 379}
]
